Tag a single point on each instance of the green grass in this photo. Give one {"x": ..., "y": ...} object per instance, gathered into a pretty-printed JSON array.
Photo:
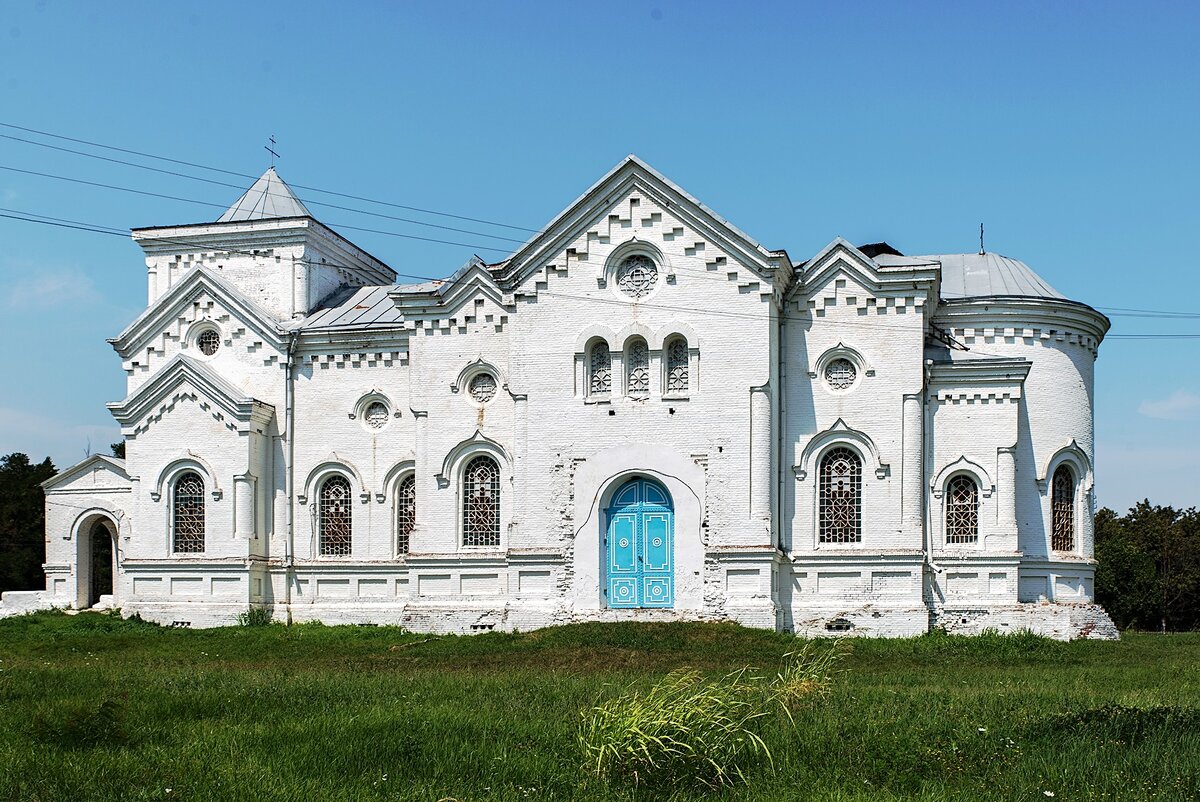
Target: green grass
[{"x": 93, "y": 707}]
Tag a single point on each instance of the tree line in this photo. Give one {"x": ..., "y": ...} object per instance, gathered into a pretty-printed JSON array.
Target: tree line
[{"x": 1148, "y": 575}]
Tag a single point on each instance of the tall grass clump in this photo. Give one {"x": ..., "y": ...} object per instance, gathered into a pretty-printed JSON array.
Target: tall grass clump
[
  {"x": 255, "y": 617},
  {"x": 690, "y": 729}
]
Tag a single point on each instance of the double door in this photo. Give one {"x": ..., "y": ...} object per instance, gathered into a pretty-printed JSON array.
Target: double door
[{"x": 640, "y": 546}]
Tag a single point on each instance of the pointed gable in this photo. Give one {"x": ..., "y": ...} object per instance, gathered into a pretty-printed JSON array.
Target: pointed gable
[{"x": 268, "y": 197}]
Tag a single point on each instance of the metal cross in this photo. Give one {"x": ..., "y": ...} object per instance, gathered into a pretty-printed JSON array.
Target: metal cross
[
  {"x": 981, "y": 250},
  {"x": 270, "y": 149}
]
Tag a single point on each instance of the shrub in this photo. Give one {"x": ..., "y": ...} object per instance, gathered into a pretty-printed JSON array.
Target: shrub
[
  {"x": 255, "y": 617},
  {"x": 689, "y": 729}
]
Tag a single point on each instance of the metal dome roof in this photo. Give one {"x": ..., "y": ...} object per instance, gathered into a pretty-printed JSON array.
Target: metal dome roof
[{"x": 980, "y": 275}]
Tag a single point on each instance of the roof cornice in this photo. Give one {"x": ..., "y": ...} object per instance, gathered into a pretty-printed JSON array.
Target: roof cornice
[
  {"x": 239, "y": 406},
  {"x": 1022, "y": 312},
  {"x": 840, "y": 254},
  {"x": 112, "y": 464}
]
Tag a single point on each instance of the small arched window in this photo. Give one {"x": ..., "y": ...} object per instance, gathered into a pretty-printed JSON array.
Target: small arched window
[
  {"x": 1062, "y": 510},
  {"x": 187, "y": 513},
  {"x": 962, "y": 510},
  {"x": 334, "y": 517},
  {"x": 406, "y": 512},
  {"x": 481, "y": 502},
  {"x": 599, "y": 369},
  {"x": 637, "y": 369},
  {"x": 840, "y": 497},
  {"x": 677, "y": 366}
]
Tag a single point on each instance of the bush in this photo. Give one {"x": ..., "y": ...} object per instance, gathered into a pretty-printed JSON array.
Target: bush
[
  {"x": 255, "y": 617},
  {"x": 686, "y": 729}
]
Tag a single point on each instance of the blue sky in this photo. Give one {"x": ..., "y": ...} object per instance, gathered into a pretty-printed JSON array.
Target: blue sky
[{"x": 1070, "y": 129}]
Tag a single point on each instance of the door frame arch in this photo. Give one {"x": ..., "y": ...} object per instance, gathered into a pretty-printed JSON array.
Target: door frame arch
[{"x": 85, "y": 530}]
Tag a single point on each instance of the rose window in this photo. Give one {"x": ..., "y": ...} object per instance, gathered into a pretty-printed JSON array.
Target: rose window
[
  {"x": 482, "y": 387},
  {"x": 376, "y": 415},
  {"x": 637, "y": 275},
  {"x": 840, "y": 374},
  {"x": 208, "y": 342}
]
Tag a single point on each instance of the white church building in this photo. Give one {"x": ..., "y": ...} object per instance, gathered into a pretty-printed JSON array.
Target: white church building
[{"x": 640, "y": 414}]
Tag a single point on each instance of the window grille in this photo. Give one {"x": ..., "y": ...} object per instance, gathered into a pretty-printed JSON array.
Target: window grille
[
  {"x": 841, "y": 497},
  {"x": 677, "y": 367},
  {"x": 406, "y": 513},
  {"x": 334, "y": 517},
  {"x": 962, "y": 510},
  {"x": 600, "y": 370},
  {"x": 482, "y": 387},
  {"x": 376, "y": 415},
  {"x": 208, "y": 342},
  {"x": 481, "y": 502},
  {"x": 840, "y": 374},
  {"x": 637, "y": 275},
  {"x": 637, "y": 370},
  {"x": 188, "y": 513},
  {"x": 1062, "y": 504}
]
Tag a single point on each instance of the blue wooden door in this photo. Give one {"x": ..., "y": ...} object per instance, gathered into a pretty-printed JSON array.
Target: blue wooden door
[{"x": 641, "y": 546}]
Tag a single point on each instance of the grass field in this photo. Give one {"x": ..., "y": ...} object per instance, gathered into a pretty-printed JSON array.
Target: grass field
[{"x": 94, "y": 707}]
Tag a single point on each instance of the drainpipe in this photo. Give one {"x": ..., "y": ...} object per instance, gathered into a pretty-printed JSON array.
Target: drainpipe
[
  {"x": 289, "y": 484},
  {"x": 926, "y": 511}
]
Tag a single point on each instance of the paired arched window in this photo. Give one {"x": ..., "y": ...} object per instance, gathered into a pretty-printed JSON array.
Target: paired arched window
[
  {"x": 678, "y": 381},
  {"x": 1062, "y": 510},
  {"x": 406, "y": 512},
  {"x": 962, "y": 510},
  {"x": 334, "y": 517},
  {"x": 481, "y": 502},
  {"x": 599, "y": 369},
  {"x": 840, "y": 497},
  {"x": 187, "y": 513},
  {"x": 637, "y": 369}
]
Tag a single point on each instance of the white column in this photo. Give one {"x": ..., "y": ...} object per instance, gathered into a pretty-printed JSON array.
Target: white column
[
  {"x": 760, "y": 456},
  {"x": 425, "y": 484},
  {"x": 912, "y": 476},
  {"x": 243, "y": 506},
  {"x": 1006, "y": 493},
  {"x": 519, "y": 467}
]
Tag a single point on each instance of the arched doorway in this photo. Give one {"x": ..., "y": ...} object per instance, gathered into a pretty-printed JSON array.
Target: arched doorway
[
  {"x": 640, "y": 546},
  {"x": 100, "y": 563}
]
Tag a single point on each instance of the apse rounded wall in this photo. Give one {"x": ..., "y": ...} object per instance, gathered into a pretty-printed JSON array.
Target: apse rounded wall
[{"x": 1056, "y": 411}]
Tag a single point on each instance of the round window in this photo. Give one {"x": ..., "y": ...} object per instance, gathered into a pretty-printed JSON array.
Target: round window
[
  {"x": 209, "y": 342},
  {"x": 637, "y": 275},
  {"x": 376, "y": 416},
  {"x": 482, "y": 387},
  {"x": 840, "y": 374}
]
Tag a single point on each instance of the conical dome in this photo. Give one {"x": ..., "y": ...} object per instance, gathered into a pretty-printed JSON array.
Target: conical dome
[{"x": 269, "y": 197}]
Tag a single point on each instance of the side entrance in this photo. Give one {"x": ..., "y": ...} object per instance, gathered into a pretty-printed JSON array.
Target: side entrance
[{"x": 640, "y": 546}]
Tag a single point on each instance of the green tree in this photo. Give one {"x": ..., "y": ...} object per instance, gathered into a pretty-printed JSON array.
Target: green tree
[
  {"x": 118, "y": 449},
  {"x": 22, "y": 522}
]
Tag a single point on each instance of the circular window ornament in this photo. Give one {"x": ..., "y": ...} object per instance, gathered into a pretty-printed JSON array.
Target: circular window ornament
[
  {"x": 376, "y": 415},
  {"x": 840, "y": 374},
  {"x": 482, "y": 387},
  {"x": 209, "y": 342},
  {"x": 637, "y": 275}
]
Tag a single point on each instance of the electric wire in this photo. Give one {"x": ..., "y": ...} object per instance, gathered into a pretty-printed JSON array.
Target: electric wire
[{"x": 252, "y": 177}]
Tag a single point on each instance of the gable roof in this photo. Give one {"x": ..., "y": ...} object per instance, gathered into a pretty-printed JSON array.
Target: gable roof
[
  {"x": 112, "y": 464},
  {"x": 267, "y": 197},
  {"x": 168, "y": 306},
  {"x": 632, "y": 171},
  {"x": 231, "y": 399}
]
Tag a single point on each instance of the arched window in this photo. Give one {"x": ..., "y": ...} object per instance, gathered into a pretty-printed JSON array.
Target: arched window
[
  {"x": 1062, "y": 510},
  {"x": 334, "y": 517},
  {"x": 481, "y": 502},
  {"x": 406, "y": 512},
  {"x": 677, "y": 366},
  {"x": 187, "y": 513},
  {"x": 840, "y": 497},
  {"x": 599, "y": 369},
  {"x": 637, "y": 369},
  {"x": 962, "y": 510}
]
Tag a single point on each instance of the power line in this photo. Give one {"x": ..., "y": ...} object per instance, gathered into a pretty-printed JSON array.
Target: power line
[
  {"x": 252, "y": 177},
  {"x": 269, "y": 194}
]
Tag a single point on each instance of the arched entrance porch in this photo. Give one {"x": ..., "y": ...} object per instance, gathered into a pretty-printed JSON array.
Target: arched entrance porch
[{"x": 96, "y": 564}]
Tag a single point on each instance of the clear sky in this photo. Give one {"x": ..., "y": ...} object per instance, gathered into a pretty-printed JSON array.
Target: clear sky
[{"x": 1070, "y": 129}]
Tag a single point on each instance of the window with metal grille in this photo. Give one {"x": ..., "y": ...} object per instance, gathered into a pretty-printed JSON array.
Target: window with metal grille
[
  {"x": 677, "y": 366},
  {"x": 962, "y": 510},
  {"x": 482, "y": 387},
  {"x": 599, "y": 370},
  {"x": 840, "y": 374},
  {"x": 840, "y": 497},
  {"x": 481, "y": 502},
  {"x": 1062, "y": 510},
  {"x": 637, "y": 275},
  {"x": 187, "y": 514},
  {"x": 208, "y": 342},
  {"x": 406, "y": 512},
  {"x": 376, "y": 415},
  {"x": 334, "y": 517},
  {"x": 637, "y": 369}
]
